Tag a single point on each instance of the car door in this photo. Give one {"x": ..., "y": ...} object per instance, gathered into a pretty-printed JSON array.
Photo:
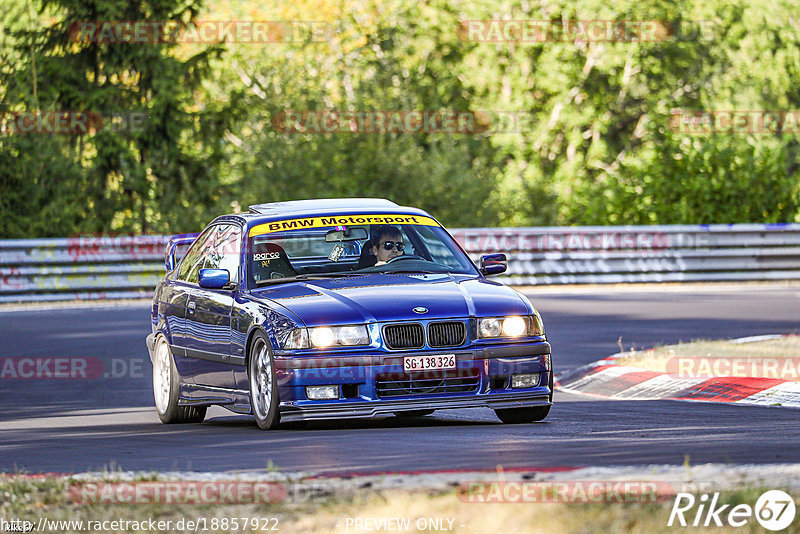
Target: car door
[
  {"x": 184, "y": 284},
  {"x": 208, "y": 313}
]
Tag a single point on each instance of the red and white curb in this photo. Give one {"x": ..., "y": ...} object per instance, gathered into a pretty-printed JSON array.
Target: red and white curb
[{"x": 607, "y": 379}]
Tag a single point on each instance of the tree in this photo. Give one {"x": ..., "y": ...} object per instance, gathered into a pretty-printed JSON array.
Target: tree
[{"x": 150, "y": 177}]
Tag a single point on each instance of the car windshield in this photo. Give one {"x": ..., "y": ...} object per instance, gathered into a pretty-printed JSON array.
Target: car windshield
[{"x": 280, "y": 251}]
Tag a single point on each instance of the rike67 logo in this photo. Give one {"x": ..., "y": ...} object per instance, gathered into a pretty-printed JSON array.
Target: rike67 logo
[{"x": 774, "y": 510}]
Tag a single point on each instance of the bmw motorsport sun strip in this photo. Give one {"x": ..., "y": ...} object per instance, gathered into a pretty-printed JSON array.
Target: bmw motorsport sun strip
[{"x": 334, "y": 220}]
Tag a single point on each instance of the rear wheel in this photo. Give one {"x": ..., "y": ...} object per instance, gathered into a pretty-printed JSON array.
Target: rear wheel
[
  {"x": 166, "y": 389},
  {"x": 263, "y": 385}
]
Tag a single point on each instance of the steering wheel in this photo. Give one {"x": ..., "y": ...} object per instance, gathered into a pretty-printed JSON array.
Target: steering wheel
[{"x": 406, "y": 257}]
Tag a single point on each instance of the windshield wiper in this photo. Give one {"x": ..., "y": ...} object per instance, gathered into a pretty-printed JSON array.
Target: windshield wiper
[
  {"x": 307, "y": 276},
  {"x": 413, "y": 271}
]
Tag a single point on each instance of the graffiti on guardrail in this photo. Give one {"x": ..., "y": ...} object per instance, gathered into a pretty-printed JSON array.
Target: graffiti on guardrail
[
  {"x": 108, "y": 265},
  {"x": 8, "y": 278},
  {"x": 102, "y": 244},
  {"x": 566, "y": 240},
  {"x": 563, "y": 265},
  {"x": 91, "y": 278}
]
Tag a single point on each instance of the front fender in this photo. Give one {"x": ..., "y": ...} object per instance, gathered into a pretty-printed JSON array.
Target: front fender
[{"x": 274, "y": 320}]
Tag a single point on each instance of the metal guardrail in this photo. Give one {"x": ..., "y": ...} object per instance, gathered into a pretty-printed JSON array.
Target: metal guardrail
[
  {"x": 93, "y": 268},
  {"x": 632, "y": 254},
  {"x": 82, "y": 268}
]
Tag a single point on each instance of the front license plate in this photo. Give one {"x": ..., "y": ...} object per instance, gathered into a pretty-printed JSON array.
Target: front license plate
[{"x": 426, "y": 363}]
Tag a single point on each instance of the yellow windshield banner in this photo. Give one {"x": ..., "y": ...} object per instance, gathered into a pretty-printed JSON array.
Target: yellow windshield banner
[{"x": 340, "y": 220}]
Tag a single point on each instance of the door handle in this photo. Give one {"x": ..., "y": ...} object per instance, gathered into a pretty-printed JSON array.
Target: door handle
[{"x": 192, "y": 306}]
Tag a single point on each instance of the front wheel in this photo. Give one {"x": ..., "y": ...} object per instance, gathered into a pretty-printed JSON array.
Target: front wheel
[
  {"x": 263, "y": 385},
  {"x": 527, "y": 415},
  {"x": 166, "y": 389},
  {"x": 523, "y": 415}
]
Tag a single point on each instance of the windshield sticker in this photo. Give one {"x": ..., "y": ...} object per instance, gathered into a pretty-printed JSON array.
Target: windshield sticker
[
  {"x": 322, "y": 222},
  {"x": 266, "y": 256}
]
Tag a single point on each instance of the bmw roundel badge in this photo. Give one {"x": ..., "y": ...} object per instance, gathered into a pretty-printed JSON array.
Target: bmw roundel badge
[{"x": 420, "y": 309}]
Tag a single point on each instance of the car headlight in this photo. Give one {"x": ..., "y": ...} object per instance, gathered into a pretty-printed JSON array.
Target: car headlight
[
  {"x": 322, "y": 337},
  {"x": 511, "y": 326},
  {"x": 515, "y": 326},
  {"x": 353, "y": 335}
]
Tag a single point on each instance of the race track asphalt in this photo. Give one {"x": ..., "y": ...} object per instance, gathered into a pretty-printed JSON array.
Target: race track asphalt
[{"x": 69, "y": 425}]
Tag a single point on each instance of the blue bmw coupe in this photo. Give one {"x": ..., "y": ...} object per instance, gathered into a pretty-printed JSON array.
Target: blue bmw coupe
[{"x": 341, "y": 308}]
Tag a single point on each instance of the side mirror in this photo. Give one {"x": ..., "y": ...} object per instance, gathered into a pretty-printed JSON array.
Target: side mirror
[
  {"x": 214, "y": 278},
  {"x": 493, "y": 264}
]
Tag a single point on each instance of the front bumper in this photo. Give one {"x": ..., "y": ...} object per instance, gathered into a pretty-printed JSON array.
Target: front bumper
[
  {"x": 361, "y": 378},
  {"x": 373, "y": 408}
]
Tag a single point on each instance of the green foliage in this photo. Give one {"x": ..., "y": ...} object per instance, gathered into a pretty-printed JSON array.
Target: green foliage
[
  {"x": 132, "y": 180},
  {"x": 442, "y": 176},
  {"x": 42, "y": 192},
  {"x": 602, "y": 151},
  {"x": 406, "y": 62},
  {"x": 598, "y": 148}
]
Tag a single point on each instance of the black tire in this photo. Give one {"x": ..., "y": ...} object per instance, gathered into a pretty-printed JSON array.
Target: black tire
[
  {"x": 166, "y": 388},
  {"x": 516, "y": 416},
  {"x": 414, "y": 413},
  {"x": 526, "y": 415},
  {"x": 264, "y": 401}
]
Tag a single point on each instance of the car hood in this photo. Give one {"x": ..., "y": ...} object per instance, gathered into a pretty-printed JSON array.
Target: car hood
[{"x": 393, "y": 297}]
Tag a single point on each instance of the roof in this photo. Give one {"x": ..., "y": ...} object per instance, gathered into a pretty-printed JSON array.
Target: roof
[
  {"x": 299, "y": 209},
  {"x": 307, "y": 207}
]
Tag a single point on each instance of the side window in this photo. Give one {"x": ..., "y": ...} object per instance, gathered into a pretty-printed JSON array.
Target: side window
[
  {"x": 224, "y": 252},
  {"x": 189, "y": 269}
]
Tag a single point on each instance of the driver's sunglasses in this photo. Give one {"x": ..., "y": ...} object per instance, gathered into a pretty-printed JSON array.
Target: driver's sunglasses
[{"x": 389, "y": 245}]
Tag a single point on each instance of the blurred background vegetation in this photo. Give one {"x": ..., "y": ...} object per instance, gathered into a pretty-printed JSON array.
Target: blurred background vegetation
[{"x": 599, "y": 150}]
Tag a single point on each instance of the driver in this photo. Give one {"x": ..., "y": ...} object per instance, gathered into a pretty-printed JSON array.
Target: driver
[{"x": 388, "y": 243}]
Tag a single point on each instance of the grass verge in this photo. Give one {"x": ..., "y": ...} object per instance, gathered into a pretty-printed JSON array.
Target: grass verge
[
  {"x": 769, "y": 358},
  {"x": 31, "y": 498}
]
